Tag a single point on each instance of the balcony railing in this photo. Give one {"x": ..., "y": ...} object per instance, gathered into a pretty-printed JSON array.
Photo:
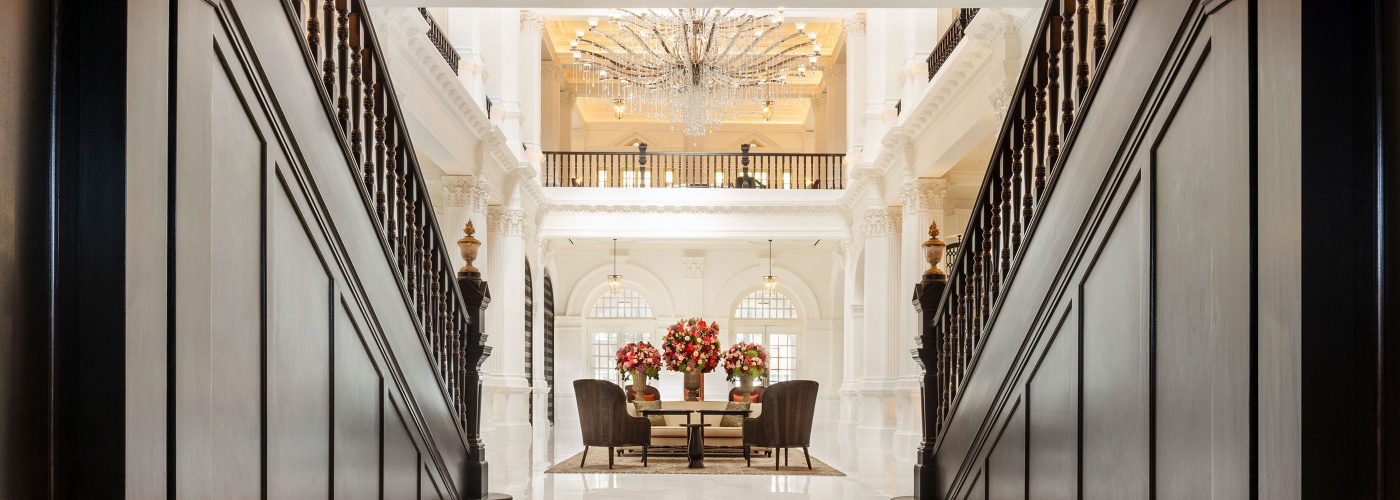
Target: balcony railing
[
  {"x": 1055, "y": 83},
  {"x": 439, "y": 40},
  {"x": 741, "y": 170},
  {"x": 344, "y": 52},
  {"x": 949, "y": 41}
]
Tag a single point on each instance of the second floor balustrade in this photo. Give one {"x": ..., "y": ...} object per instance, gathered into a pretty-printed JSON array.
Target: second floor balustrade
[{"x": 741, "y": 170}]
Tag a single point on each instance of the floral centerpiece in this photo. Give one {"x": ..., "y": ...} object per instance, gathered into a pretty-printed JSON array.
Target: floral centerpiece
[
  {"x": 638, "y": 361},
  {"x": 745, "y": 360},
  {"x": 691, "y": 346}
]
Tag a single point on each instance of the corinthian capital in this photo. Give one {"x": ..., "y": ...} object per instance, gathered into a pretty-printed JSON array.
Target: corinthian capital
[{"x": 877, "y": 222}]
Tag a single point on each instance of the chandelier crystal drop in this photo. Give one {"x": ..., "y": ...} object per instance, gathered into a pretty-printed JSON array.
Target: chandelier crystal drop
[{"x": 693, "y": 68}]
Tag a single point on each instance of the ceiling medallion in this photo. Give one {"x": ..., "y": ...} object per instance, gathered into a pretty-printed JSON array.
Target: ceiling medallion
[{"x": 693, "y": 68}]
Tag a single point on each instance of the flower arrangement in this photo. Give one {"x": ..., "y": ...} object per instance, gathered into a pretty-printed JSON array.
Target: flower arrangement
[
  {"x": 691, "y": 344},
  {"x": 745, "y": 360},
  {"x": 638, "y": 357}
]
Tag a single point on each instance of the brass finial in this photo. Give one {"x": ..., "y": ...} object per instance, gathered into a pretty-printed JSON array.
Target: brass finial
[
  {"x": 933, "y": 249},
  {"x": 469, "y": 245}
]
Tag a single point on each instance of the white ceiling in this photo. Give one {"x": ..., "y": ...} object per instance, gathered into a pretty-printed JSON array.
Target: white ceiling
[{"x": 815, "y": 4}]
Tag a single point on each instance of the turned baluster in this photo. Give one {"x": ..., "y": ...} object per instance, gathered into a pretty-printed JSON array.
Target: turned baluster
[
  {"x": 1100, "y": 33},
  {"x": 1084, "y": 39},
  {"x": 1067, "y": 65},
  {"x": 328, "y": 27},
  {"x": 1053, "y": 107},
  {"x": 1038, "y": 143},
  {"x": 313, "y": 28},
  {"x": 393, "y": 190},
  {"x": 342, "y": 67},
  {"x": 369, "y": 171}
]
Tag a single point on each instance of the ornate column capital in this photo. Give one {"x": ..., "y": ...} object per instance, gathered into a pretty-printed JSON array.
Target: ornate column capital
[
  {"x": 819, "y": 101},
  {"x": 566, "y": 98},
  {"x": 550, "y": 70},
  {"x": 843, "y": 252},
  {"x": 504, "y": 221},
  {"x": 531, "y": 25},
  {"x": 876, "y": 222},
  {"x": 477, "y": 195},
  {"x": 834, "y": 73},
  {"x": 896, "y": 217},
  {"x": 693, "y": 267},
  {"x": 455, "y": 189},
  {"x": 924, "y": 194},
  {"x": 854, "y": 24}
]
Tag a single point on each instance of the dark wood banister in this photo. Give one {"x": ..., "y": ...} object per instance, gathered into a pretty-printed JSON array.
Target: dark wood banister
[
  {"x": 1073, "y": 42},
  {"x": 342, "y": 52}
]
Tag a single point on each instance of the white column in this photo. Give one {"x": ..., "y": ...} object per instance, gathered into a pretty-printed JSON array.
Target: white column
[
  {"x": 855, "y": 85},
  {"x": 505, "y": 388},
  {"x": 851, "y": 329},
  {"x": 835, "y": 127},
  {"x": 922, "y": 201},
  {"x": 875, "y": 432},
  {"x": 464, "y": 30},
  {"x": 531, "y": 24},
  {"x": 550, "y": 76}
]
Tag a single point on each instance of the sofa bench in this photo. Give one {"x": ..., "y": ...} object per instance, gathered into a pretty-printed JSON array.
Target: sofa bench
[{"x": 673, "y": 433}]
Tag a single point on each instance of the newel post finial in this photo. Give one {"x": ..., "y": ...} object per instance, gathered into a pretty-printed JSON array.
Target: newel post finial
[
  {"x": 933, "y": 250},
  {"x": 469, "y": 245}
]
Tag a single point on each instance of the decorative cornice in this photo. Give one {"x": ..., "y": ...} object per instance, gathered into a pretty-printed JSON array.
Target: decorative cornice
[
  {"x": 693, "y": 267},
  {"x": 876, "y": 222},
  {"x": 504, "y": 221}
]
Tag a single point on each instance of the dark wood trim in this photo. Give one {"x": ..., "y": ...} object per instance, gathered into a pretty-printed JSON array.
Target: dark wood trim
[
  {"x": 90, "y": 247},
  {"x": 1389, "y": 222},
  {"x": 1341, "y": 176}
]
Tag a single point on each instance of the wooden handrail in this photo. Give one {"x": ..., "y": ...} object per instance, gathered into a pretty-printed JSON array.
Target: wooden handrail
[
  {"x": 1071, "y": 47},
  {"x": 344, "y": 55},
  {"x": 949, "y": 41},
  {"x": 690, "y": 169},
  {"x": 439, "y": 39}
]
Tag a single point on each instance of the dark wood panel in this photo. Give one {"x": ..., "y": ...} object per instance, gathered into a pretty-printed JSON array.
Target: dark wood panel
[
  {"x": 1114, "y": 385},
  {"x": 298, "y": 357},
  {"x": 25, "y": 31},
  {"x": 978, "y": 487},
  {"x": 359, "y": 396},
  {"x": 1006, "y": 462},
  {"x": 431, "y": 490},
  {"x": 402, "y": 461},
  {"x": 1201, "y": 194},
  {"x": 1052, "y": 412}
]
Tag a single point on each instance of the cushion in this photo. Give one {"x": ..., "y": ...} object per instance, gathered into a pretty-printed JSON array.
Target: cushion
[
  {"x": 650, "y": 397},
  {"x": 651, "y": 405},
  {"x": 734, "y": 420}
]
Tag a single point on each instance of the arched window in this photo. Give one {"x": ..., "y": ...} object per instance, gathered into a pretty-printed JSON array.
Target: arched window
[
  {"x": 617, "y": 318},
  {"x": 770, "y": 319},
  {"x": 621, "y": 304},
  {"x": 765, "y": 305}
]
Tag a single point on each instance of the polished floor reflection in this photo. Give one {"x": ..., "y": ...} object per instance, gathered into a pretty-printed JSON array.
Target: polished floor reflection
[{"x": 872, "y": 472}]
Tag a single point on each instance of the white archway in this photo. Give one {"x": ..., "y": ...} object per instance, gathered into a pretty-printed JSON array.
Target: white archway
[
  {"x": 593, "y": 283},
  {"x": 746, "y": 281}
]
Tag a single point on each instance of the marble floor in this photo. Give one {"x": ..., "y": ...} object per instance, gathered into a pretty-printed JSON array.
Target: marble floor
[{"x": 872, "y": 472}]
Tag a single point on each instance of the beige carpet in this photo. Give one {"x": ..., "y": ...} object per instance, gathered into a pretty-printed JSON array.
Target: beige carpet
[{"x": 632, "y": 464}]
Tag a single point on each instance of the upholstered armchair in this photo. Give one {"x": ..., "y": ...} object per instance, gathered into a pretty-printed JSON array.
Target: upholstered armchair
[
  {"x": 602, "y": 413},
  {"x": 786, "y": 421},
  {"x": 648, "y": 394}
]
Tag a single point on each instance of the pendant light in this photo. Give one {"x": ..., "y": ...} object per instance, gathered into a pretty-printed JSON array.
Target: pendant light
[
  {"x": 770, "y": 282},
  {"x": 614, "y": 279}
]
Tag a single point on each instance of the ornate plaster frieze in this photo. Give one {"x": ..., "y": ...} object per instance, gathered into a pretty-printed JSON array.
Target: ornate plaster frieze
[
  {"x": 693, "y": 267},
  {"x": 876, "y": 223},
  {"x": 504, "y": 221},
  {"x": 843, "y": 252},
  {"x": 1000, "y": 98}
]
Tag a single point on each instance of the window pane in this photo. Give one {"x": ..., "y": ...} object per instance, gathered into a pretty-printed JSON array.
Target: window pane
[
  {"x": 766, "y": 305},
  {"x": 622, "y": 304}
]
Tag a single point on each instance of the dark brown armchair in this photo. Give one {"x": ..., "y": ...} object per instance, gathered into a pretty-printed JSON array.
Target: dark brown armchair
[
  {"x": 602, "y": 413},
  {"x": 786, "y": 421}
]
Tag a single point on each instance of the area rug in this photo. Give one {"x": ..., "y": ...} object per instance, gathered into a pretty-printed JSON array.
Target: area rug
[{"x": 632, "y": 464}]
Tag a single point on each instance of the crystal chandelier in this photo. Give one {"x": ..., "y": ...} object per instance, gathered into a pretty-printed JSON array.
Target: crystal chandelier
[{"x": 693, "y": 67}]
